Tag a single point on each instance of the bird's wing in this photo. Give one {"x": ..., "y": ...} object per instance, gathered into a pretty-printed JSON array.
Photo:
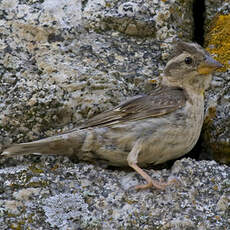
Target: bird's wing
[{"x": 160, "y": 102}]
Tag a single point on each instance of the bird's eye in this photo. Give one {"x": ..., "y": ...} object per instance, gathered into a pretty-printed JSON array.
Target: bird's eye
[{"x": 188, "y": 60}]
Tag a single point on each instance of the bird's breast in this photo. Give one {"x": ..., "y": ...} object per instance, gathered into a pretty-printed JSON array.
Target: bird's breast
[
  {"x": 175, "y": 134},
  {"x": 164, "y": 138}
]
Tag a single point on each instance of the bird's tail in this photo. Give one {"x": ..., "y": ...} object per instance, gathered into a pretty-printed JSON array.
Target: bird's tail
[{"x": 64, "y": 144}]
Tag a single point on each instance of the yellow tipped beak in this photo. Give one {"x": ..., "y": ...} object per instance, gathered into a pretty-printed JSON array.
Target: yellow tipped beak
[{"x": 208, "y": 66}]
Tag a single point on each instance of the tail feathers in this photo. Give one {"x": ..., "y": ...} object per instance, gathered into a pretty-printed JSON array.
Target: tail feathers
[
  {"x": 65, "y": 144},
  {"x": 23, "y": 149}
]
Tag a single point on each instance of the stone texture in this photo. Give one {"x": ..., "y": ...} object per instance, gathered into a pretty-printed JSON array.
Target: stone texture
[
  {"x": 141, "y": 18},
  {"x": 211, "y": 8},
  {"x": 217, "y": 122},
  {"x": 62, "y": 63},
  {"x": 55, "y": 193}
]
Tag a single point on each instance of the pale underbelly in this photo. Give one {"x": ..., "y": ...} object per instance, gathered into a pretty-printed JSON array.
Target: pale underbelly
[
  {"x": 164, "y": 138},
  {"x": 160, "y": 143}
]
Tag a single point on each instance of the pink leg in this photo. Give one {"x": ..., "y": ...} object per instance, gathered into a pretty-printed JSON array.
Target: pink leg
[
  {"x": 132, "y": 161},
  {"x": 150, "y": 182}
]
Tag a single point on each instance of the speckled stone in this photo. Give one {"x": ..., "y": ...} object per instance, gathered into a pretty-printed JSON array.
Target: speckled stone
[
  {"x": 160, "y": 19},
  {"x": 55, "y": 193},
  {"x": 62, "y": 63},
  {"x": 211, "y": 8},
  {"x": 216, "y": 132}
]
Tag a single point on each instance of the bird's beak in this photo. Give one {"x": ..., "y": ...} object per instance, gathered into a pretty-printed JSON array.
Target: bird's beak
[{"x": 209, "y": 65}]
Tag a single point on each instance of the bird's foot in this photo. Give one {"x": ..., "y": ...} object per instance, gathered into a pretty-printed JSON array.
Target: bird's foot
[{"x": 156, "y": 184}]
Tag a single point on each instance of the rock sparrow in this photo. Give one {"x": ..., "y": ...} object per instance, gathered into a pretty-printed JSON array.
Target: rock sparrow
[{"x": 148, "y": 129}]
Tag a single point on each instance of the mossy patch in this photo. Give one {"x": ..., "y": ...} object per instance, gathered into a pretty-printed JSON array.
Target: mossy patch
[
  {"x": 218, "y": 40},
  {"x": 222, "y": 152}
]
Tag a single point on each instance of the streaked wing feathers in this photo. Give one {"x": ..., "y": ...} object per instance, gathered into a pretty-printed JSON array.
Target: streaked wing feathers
[{"x": 160, "y": 102}]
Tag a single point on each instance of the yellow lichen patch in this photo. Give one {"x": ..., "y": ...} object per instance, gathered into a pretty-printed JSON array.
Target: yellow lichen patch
[{"x": 218, "y": 40}]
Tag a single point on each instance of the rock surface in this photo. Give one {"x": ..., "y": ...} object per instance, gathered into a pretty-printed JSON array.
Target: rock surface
[
  {"x": 62, "y": 63},
  {"x": 217, "y": 122},
  {"x": 212, "y": 7},
  {"x": 58, "y": 194}
]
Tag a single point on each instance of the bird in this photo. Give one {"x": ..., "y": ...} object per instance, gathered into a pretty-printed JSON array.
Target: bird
[{"x": 148, "y": 129}]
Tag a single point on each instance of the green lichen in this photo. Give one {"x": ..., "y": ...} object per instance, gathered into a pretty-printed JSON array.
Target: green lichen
[
  {"x": 35, "y": 170},
  {"x": 20, "y": 224},
  {"x": 222, "y": 152}
]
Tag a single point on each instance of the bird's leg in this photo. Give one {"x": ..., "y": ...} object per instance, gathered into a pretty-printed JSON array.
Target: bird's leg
[{"x": 132, "y": 161}]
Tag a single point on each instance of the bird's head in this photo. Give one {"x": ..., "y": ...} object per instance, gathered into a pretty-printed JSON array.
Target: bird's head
[{"x": 191, "y": 67}]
